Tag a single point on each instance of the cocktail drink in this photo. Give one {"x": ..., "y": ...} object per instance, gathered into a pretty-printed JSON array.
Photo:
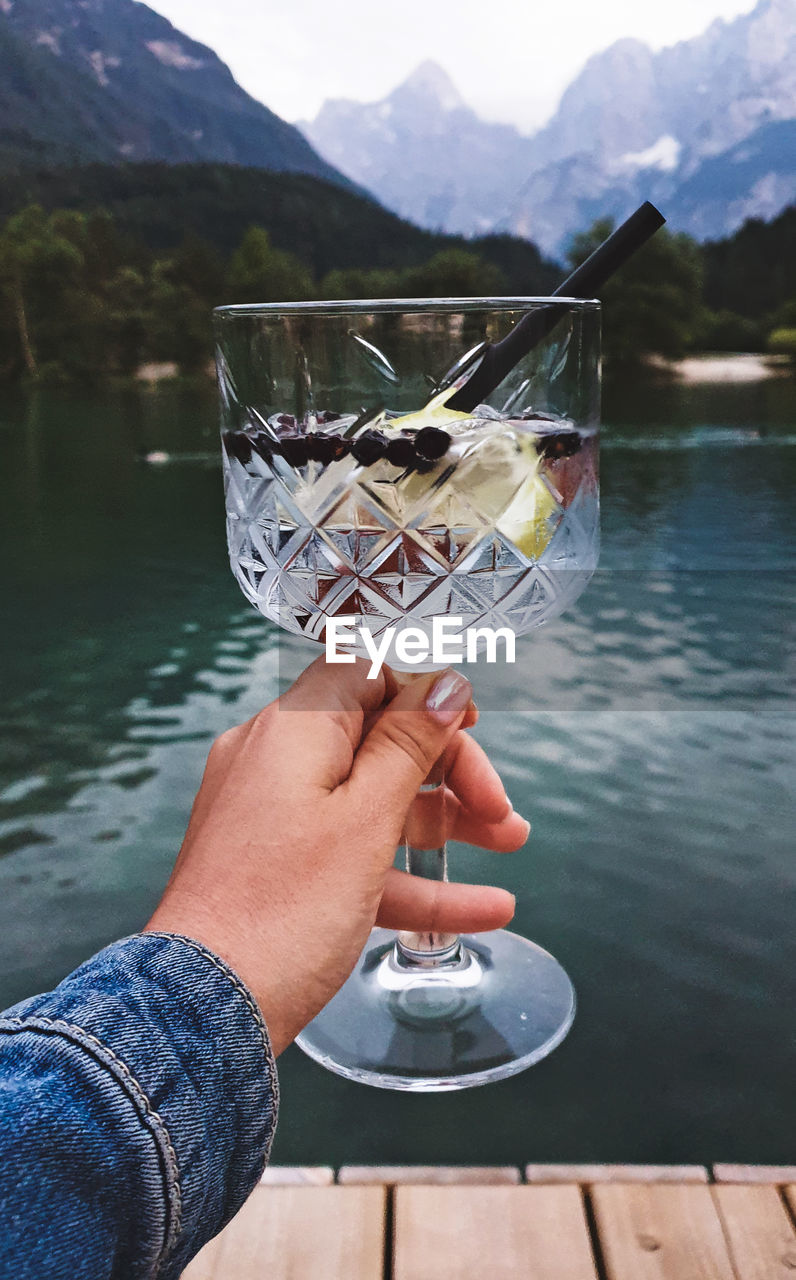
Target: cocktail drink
[{"x": 357, "y": 494}]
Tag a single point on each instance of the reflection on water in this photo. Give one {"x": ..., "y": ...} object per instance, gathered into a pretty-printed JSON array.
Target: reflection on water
[{"x": 649, "y": 735}]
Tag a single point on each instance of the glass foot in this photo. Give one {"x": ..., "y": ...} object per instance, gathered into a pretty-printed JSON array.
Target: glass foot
[{"x": 500, "y": 1005}]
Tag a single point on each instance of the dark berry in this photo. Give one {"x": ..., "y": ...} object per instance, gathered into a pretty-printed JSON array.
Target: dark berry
[
  {"x": 237, "y": 445},
  {"x": 317, "y": 448},
  {"x": 561, "y": 445},
  {"x": 326, "y": 415},
  {"x": 286, "y": 421},
  {"x": 340, "y": 445},
  {"x": 264, "y": 446},
  {"x": 432, "y": 443},
  {"x": 368, "y": 447},
  {"x": 401, "y": 451},
  {"x": 295, "y": 450},
  {"x": 326, "y": 449}
]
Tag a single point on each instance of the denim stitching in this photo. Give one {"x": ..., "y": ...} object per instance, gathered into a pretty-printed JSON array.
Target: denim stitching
[
  {"x": 160, "y": 1131},
  {"x": 243, "y": 991}
]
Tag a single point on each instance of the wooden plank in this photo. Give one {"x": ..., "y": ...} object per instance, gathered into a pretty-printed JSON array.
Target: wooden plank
[
  {"x": 658, "y": 1232},
  {"x": 776, "y": 1174},
  {"x": 295, "y": 1175},
  {"x": 590, "y": 1173},
  {"x": 491, "y": 1233},
  {"x": 428, "y": 1174},
  {"x": 760, "y": 1234},
  {"x": 289, "y": 1233}
]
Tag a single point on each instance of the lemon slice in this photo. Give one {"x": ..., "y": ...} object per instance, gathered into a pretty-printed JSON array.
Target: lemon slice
[
  {"x": 501, "y": 477},
  {"x": 434, "y": 414},
  {"x": 527, "y": 522}
]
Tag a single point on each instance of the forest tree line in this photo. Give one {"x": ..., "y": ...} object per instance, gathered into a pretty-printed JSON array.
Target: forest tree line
[{"x": 82, "y": 298}]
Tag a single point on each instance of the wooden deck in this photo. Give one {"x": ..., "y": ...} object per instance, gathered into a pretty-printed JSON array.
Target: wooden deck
[{"x": 545, "y": 1222}]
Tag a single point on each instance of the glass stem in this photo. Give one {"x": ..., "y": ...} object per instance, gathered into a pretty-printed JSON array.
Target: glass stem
[{"x": 431, "y": 862}]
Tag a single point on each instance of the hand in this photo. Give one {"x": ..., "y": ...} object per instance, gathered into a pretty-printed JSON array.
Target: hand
[{"x": 287, "y": 861}]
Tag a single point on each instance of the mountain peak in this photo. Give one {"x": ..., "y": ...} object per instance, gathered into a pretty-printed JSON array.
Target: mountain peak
[
  {"x": 635, "y": 124},
  {"x": 628, "y": 52},
  {"x": 430, "y": 80},
  {"x": 114, "y": 81}
]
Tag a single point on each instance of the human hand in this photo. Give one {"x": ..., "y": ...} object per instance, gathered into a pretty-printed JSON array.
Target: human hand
[{"x": 287, "y": 861}]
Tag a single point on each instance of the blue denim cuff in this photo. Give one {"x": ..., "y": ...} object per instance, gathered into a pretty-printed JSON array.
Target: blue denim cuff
[{"x": 167, "y": 1023}]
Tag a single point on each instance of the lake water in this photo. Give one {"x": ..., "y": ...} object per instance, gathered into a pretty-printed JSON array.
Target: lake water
[{"x": 648, "y": 734}]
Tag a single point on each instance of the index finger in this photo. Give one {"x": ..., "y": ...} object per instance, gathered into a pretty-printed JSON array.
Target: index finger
[{"x": 471, "y": 776}]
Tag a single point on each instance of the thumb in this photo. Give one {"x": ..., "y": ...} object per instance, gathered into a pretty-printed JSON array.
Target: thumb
[{"x": 409, "y": 736}]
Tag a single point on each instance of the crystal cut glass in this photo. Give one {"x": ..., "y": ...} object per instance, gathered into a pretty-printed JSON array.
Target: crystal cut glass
[{"x": 353, "y": 491}]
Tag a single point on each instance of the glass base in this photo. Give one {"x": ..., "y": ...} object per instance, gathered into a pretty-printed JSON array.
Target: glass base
[{"x": 498, "y": 1008}]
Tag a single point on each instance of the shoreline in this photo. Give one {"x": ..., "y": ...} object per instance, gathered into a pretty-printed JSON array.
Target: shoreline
[
  {"x": 702, "y": 367},
  {"x": 156, "y": 371},
  {"x": 733, "y": 366}
]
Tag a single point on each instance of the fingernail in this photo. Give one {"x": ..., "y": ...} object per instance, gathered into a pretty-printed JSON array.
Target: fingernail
[{"x": 449, "y": 696}]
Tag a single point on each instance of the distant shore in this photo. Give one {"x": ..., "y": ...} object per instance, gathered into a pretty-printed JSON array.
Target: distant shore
[
  {"x": 740, "y": 366},
  {"x": 153, "y": 372}
]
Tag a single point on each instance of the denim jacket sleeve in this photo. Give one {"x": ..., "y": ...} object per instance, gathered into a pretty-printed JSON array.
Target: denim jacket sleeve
[{"x": 138, "y": 1102}]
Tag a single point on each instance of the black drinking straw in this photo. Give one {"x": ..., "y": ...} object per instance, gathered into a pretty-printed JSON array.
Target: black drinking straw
[{"x": 500, "y": 358}]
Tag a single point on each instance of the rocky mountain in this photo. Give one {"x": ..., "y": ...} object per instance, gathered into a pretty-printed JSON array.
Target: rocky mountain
[
  {"x": 112, "y": 80},
  {"x": 754, "y": 179},
  {"x": 425, "y": 153},
  {"x": 705, "y": 127}
]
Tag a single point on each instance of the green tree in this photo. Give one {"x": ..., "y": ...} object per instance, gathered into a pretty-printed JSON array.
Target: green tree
[
  {"x": 782, "y": 342},
  {"x": 177, "y": 320},
  {"x": 453, "y": 273},
  {"x": 784, "y": 317},
  {"x": 199, "y": 267},
  {"x": 73, "y": 328},
  {"x": 753, "y": 272},
  {"x": 127, "y": 318},
  {"x": 260, "y": 273},
  {"x": 183, "y": 289},
  {"x": 39, "y": 267},
  {"x": 360, "y": 284},
  {"x": 725, "y": 331},
  {"x": 78, "y": 301},
  {"x": 652, "y": 305}
]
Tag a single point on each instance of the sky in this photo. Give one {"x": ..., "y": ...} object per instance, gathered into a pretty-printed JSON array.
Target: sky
[{"x": 510, "y": 59}]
